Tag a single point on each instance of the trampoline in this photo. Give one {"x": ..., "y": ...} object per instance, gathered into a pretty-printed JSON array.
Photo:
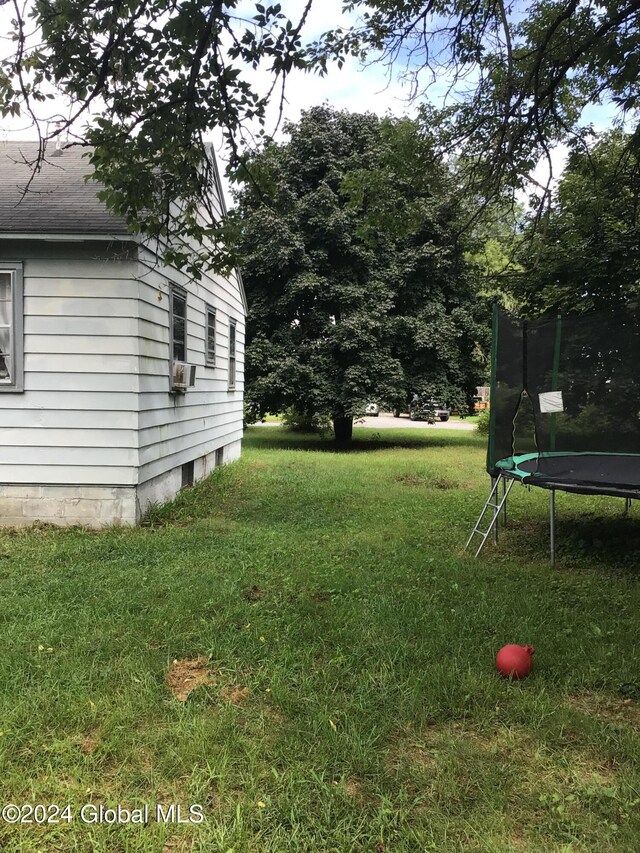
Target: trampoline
[
  {"x": 564, "y": 410},
  {"x": 616, "y": 475}
]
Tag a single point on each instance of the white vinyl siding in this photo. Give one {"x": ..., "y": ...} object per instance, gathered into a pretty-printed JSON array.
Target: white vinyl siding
[
  {"x": 174, "y": 430},
  {"x": 76, "y": 420},
  {"x": 96, "y": 407}
]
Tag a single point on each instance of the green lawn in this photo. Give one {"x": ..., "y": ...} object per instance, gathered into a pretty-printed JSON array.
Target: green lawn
[{"x": 352, "y": 702}]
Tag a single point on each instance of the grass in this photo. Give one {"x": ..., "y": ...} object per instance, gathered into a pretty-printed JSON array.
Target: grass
[
  {"x": 468, "y": 419},
  {"x": 340, "y": 648}
]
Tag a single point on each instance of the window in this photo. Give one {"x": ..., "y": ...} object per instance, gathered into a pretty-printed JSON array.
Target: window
[
  {"x": 232, "y": 354},
  {"x": 210, "y": 342},
  {"x": 178, "y": 328},
  {"x": 11, "y": 354},
  {"x": 187, "y": 474}
]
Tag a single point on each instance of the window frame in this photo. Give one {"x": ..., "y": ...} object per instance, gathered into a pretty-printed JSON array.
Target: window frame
[
  {"x": 231, "y": 378},
  {"x": 15, "y": 270},
  {"x": 183, "y": 294},
  {"x": 209, "y": 360}
]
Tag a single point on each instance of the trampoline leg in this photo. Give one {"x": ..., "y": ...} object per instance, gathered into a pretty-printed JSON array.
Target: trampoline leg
[
  {"x": 627, "y": 505},
  {"x": 495, "y": 483},
  {"x": 552, "y": 526},
  {"x": 504, "y": 505}
]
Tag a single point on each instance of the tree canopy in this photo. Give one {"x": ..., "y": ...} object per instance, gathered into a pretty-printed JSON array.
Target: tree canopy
[
  {"x": 152, "y": 78},
  {"x": 585, "y": 252},
  {"x": 519, "y": 74},
  {"x": 356, "y": 280}
]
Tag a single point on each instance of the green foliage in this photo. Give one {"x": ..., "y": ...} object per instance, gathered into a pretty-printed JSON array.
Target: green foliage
[
  {"x": 482, "y": 423},
  {"x": 522, "y": 74},
  {"x": 151, "y": 80},
  {"x": 585, "y": 254},
  {"x": 357, "y": 284},
  {"x": 308, "y": 422}
]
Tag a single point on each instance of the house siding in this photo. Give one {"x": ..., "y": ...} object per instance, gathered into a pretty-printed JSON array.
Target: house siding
[
  {"x": 96, "y": 436},
  {"x": 75, "y": 423},
  {"x": 177, "y": 428}
]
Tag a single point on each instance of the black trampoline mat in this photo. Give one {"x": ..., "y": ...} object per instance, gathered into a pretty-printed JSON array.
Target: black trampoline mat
[{"x": 584, "y": 473}]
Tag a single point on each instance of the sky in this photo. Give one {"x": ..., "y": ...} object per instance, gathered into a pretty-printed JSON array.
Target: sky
[{"x": 354, "y": 87}]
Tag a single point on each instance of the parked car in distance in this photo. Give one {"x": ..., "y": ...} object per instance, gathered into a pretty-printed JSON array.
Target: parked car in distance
[
  {"x": 441, "y": 411},
  {"x": 422, "y": 410},
  {"x": 372, "y": 410},
  {"x": 437, "y": 410}
]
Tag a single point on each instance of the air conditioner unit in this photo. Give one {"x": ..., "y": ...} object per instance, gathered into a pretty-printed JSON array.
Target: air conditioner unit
[{"x": 184, "y": 376}]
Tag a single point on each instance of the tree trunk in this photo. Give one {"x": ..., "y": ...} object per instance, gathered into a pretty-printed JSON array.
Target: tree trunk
[{"x": 342, "y": 429}]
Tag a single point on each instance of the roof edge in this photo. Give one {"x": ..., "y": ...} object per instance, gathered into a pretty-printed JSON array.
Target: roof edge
[{"x": 69, "y": 238}]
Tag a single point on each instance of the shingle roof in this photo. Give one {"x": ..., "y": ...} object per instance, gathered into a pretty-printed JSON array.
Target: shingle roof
[{"x": 59, "y": 200}]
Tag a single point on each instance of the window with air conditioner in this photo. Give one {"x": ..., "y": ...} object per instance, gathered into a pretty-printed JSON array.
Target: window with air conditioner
[
  {"x": 178, "y": 324},
  {"x": 11, "y": 319}
]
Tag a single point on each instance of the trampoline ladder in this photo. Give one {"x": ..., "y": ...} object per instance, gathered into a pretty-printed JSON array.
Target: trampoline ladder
[{"x": 494, "y": 504}]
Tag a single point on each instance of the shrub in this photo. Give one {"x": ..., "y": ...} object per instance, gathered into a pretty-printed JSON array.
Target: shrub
[
  {"x": 297, "y": 421},
  {"x": 483, "y": 423}
]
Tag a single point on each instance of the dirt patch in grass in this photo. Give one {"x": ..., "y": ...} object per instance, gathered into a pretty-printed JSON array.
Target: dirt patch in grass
[
  {"x": 606, "y": 707},
  {"x": 321, "y": 597},
  {"x": 185, "y": 675},
  {"x": 272, "y": 715},
  {"x": 234, "y": 693},
  {"x": 410, "y": 480},
  {"x": 254, "y": 593},
  {"x": 354, "y": 789},
  {"x": 89, "y": 743},
  {"x": 444, "y": 483}
]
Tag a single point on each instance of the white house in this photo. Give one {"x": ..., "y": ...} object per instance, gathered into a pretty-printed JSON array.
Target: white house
[{"x": 94, "y": 336}]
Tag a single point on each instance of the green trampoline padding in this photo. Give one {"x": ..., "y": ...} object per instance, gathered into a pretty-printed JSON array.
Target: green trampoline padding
[{"x": 616, "y": 474}]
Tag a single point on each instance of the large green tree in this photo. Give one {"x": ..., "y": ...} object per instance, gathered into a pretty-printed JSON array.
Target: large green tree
[
  {"x": 153, "y": 77},
  {"x": 585, "y": 252},
  {"x": 354, "y": 270}
]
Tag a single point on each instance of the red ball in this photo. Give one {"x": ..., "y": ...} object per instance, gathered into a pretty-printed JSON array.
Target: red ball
[{"x": 515, "y": 661}]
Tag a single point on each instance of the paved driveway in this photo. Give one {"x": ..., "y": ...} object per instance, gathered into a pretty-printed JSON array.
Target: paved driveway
[
  {"x": 389, "y": 422},
  {"x": 384, "y": 421}
]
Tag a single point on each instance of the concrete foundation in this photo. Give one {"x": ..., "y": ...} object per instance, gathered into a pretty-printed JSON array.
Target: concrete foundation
[{"x": 99, "y": 506}]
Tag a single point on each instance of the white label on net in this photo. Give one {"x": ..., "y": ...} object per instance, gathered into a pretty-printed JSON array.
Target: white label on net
[{"x": 551, "y": 401}]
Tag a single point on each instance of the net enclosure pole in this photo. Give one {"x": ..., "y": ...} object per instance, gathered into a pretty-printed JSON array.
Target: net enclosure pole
[
  {"x": 491, "y": 448},
  {"x": 552, "y": 526},
  {"x": 554, "y": 380}
]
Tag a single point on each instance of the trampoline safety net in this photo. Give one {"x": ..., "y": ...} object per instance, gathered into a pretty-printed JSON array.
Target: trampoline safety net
[{"x": 566, "y": 389}]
